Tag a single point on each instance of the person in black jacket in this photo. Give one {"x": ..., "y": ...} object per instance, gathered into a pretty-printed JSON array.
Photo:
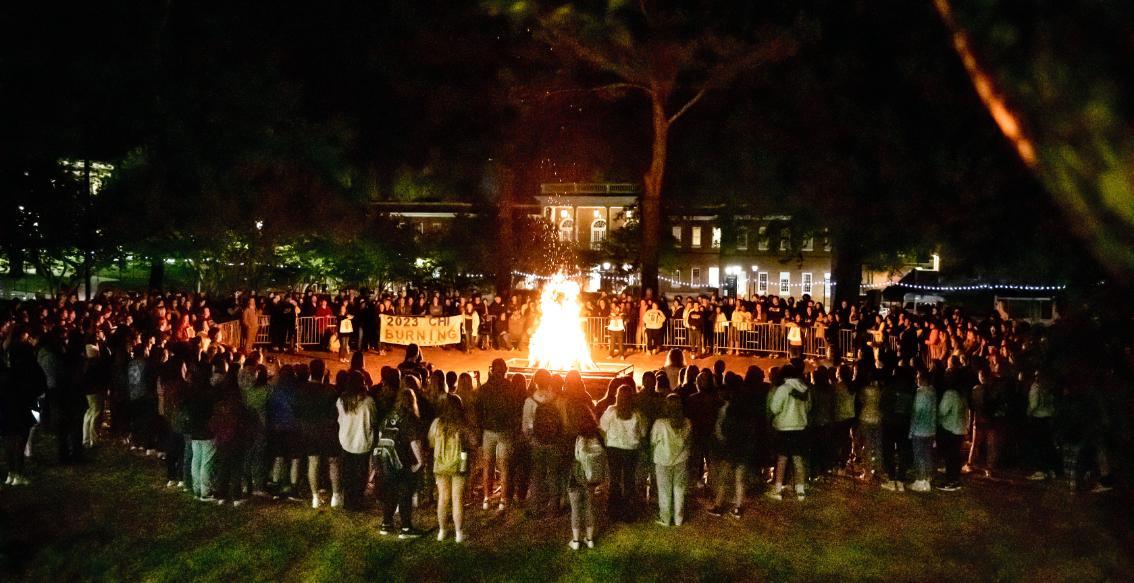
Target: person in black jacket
[{"x": 20, "y": 384}]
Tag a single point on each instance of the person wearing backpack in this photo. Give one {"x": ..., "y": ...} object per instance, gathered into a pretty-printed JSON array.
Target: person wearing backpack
[
  {"x": 401, "y": 459},
  {"x": 588, "y": 469},
  {"x": 449, "y": 436},
  {"x": 543, "y": 427},
  {"x": 622, "y": 430},
  {"x": 670, "y": 438}
]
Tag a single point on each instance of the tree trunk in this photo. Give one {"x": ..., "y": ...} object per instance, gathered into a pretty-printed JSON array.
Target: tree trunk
[
  {"x": 846, "y": 268},
  {"x": 157, "y": 273},
  {"x": 651, "y": 197},
  {"x": 15, "y": 262},
  {"x": 88, "y": 254},
  {"x": 505, "y": 243}
]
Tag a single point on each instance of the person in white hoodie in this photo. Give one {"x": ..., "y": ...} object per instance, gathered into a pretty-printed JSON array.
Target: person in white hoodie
[
  {"x": 670, "y": 439},
  {"x": 622, "y": 431},
  {"x": 788, "y": 405}
]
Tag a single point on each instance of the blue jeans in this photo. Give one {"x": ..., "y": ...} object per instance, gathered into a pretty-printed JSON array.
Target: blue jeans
[
  {"x": 204, "y": 465},
  {"x": 923, "y": 457}
]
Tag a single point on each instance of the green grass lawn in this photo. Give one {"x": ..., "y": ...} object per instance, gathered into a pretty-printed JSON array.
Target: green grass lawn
[{"x": 111, "y": 520}]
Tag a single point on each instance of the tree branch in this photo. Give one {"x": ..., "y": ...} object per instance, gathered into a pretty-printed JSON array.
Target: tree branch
[
  {"x": 688, "y": 104},
  {"x": 554, "y": 36},
  {"x": 600, "y": 88}
]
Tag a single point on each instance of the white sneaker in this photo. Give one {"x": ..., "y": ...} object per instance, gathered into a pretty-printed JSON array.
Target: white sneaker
[
  {"x": 336, "y": 501},
  {"x": 891, "y": 485},
  {"x": 315, "y": 501},
  {"x": 1037, "y": 476},
  {"x": 459, "y": 537},
  {"x": 921, "y": 486},
  {"x": 221, "y": 502},
  {"x": 501, "y": 507},
  {"x": 171, "y": 484},
  {"x": 240, "y": 502},
  {"x": 901, "y": 486},
  {"x": 8, "y": 481},
  {"x": 484, "y": 505},
  {"x": 20, "y": 481},
  {"x": 590, "y": 543},
  {"x": 574, "y": 545},
  {"x": 440, "y": 534}
]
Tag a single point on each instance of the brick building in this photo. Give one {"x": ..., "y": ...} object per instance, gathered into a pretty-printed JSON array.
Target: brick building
[{"x": 714, "y": 248}]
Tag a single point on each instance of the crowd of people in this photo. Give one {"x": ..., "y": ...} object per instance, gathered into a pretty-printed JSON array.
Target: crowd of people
[{"x": 232, "y": 423}]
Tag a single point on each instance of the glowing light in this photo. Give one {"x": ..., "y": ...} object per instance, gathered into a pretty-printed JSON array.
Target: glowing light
[{"x": 558, "y": 342}]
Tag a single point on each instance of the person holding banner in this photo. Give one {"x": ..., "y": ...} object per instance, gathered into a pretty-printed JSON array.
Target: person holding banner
[
  {"x": 470, "y": 325},
  {"x": 346, "y": 330}
]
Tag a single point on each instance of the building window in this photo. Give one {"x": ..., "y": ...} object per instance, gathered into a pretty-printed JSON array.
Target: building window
[
  {"x": 714, "y": 277},
  {"x": 762, "y": 244},
  {"x": 696, "y": 238},
  {"x": 598, "y": 233},
  {"x": 677, "y": 277},
  {"x": 827, "y": 241},
  {"x": 695, "y": 276},
  {"x": 785, "y": 239},
  {"x": 762, "y": 283},
  {"x": 806, "y": 287},
  {"x": 809, "y": 243},
  {"x": 742, "y": 239},
  {"x": 677, "y": 234},
  {"x": 567, "y": 230},
  {"x": 826, "y": 284},
  {"x": 785, "y": 283},
  {"x": 716, "y": 242}
]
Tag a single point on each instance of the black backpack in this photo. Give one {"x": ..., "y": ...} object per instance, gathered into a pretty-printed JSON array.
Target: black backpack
[
  {"x": 547, "y": 424},
  {"x": 387, "y": 447}
]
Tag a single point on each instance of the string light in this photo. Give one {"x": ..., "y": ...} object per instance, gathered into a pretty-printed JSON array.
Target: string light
[{"x": 778, "y": 285}]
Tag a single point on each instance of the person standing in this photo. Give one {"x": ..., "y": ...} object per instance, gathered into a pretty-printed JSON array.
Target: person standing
[
  {"x": 499, "y": 413},
  {"x": 1041, "y": 411},
  {"x": 653, "y": 320},
  {"x": 694, "y": 328},
  {"x": 198, "y": 411},
  {"x": 543, "y": 427},
  {"x": 357, "y": 416},
  {"x": 249, "y": 325},
  {"x": 622, "y": 430},
  {"x": 670, "y": 438},
  {"x": 402, "y": 458},
  {"x": 953, "y": 418},
  {"x": 788, "y": 405},
  {"x": 617, "y": 329},
  {"x": 449, "y": 438},
  {"x": 923, "y": 428},
  {"x": 21, "y": 383},
  {"x": 588, "y": 468}
]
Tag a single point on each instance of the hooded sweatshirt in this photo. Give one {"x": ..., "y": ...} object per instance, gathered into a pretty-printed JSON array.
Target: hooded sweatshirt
[
  {"x": 789, "y": 412},
  {"x": 671, "y": 444}
]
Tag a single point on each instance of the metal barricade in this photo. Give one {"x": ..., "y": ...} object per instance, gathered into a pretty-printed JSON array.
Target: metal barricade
[
  {"x": 262, "y": 335},
  {"x": 230, "y": 333},
  {"x": 311, "y": 330}
]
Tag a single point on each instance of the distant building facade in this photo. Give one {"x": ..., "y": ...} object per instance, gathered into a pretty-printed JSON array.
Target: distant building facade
[{"x": 714, "y": 249}]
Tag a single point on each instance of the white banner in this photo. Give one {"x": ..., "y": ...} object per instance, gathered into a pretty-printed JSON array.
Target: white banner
[{"x": 421, "y": 330}]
